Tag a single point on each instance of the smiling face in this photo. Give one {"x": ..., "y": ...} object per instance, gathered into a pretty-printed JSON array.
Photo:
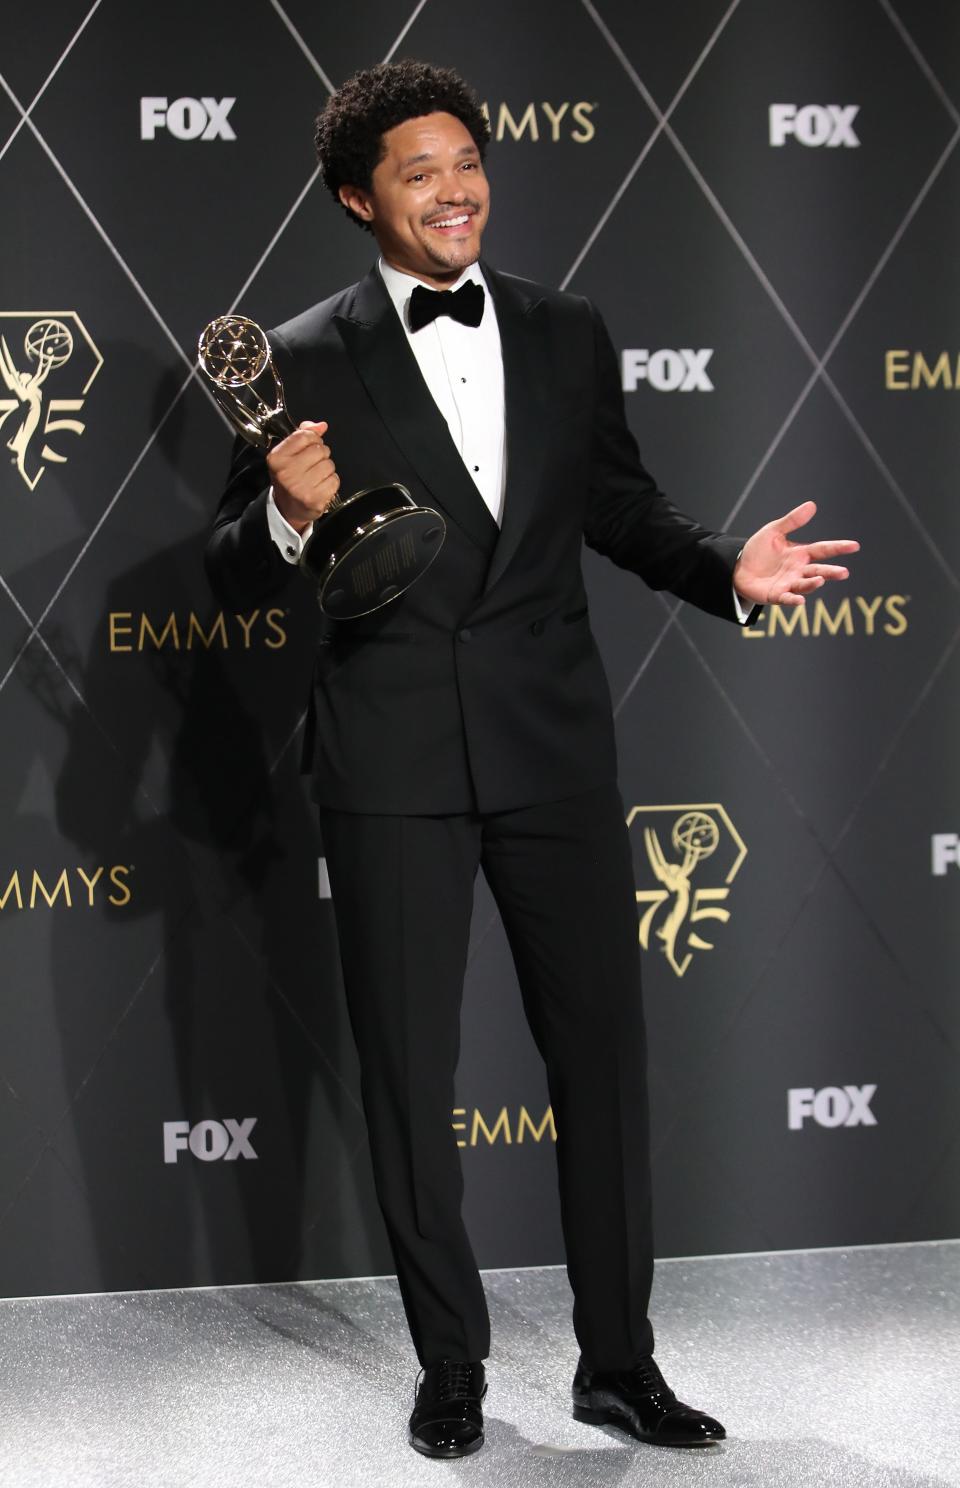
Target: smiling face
[{"x": 428, "y": 199}]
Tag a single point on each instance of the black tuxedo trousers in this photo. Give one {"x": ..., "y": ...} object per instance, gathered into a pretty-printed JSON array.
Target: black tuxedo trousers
[{"x": 561, "y": 875}]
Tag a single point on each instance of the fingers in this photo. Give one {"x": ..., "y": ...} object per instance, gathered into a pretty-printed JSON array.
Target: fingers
[
  {"x": 809, "y": 579},
  {"x": 300, "y": 449},
  {"x": 306, "y": 437},
  {"x": 805, "y": 584},
  {"x": 825, "y": 571},
  {"x": 808, "y": 583},
  {"x": 798, "y": 517},
  {"x": 304, "y": 477},
  {"x": 814, "y": 577},
  {"x": 310, "y": 455},
  {"x": 802, "y": 574},
  {"x": 832, "y": 548},
  {"x": 785, "y": 596},
  {"x": 306, "y": 500},
  {"x": 303, "y": 436},
  {"x": 303, "y": 473},
  {"x": 324, "y": 494}
]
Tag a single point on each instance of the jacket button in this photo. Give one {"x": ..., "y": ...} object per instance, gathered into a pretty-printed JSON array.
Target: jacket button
[
  {"x": 537, "y": 628},
  {"x": 465, "y": 635}
]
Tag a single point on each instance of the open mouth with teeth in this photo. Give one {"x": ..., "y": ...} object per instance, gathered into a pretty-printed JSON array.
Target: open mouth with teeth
[{"x": 450, "y": 225}]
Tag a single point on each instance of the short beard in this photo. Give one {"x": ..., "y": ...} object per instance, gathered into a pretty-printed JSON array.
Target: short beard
[{"x": 448, "y": 259}]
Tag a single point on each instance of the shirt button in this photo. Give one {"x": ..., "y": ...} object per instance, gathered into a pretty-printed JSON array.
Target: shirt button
[
  {"x": 537, "y": 628},
  {"x": 476, "y": 469},
  {"x": 465, "y": 635},
  {"x": 291, "y": 551}
]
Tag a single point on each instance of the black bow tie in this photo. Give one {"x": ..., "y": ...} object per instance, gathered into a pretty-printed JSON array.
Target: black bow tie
[{"x": 464, "y": 304}]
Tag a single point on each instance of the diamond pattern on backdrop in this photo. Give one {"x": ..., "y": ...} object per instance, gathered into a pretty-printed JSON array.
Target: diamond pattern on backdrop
[
  {"x": 855, "y": 184},
  {"x": 907, "y": 409},
  {"x": 666, "y": 55},
  {"x": 578, "y": 122},
  {"x": 939, "y": 603},
  {"x": 193, "y": 234},
  {"x": 662, "y": 198},
  {"x": 692, "y": 275},
  {"x": 339, "y": 41},
  {"x": 885, "y": 851},
  {"x": 90, "y": 1072},
  {"x": 135, "y": 354},
  {"x": 854, "y": 1003},
  {"x": 10, "y": 122},
  {"x": 889, "y": 623},
  {"x": 928, "y": 30},
  {"x": 35, "y": 48}
]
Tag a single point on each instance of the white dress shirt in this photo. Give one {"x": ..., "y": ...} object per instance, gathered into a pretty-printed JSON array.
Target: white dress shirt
[{"x": 463, "y": 369}]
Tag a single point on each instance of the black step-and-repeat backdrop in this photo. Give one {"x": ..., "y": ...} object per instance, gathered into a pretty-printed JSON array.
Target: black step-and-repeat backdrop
[{"x": 762, "y": 198}]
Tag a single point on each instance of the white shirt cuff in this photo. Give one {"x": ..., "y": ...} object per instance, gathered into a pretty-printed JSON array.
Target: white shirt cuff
[
  {"x": 287, "y": 538},
  {"x": 743, "y": 611}
]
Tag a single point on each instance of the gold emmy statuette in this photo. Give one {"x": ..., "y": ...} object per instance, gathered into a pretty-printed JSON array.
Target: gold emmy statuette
[{"x": 366, "y": 549}]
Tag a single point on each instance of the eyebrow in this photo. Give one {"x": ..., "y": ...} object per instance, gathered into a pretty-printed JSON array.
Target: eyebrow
[{"x": 422, "y": 159}]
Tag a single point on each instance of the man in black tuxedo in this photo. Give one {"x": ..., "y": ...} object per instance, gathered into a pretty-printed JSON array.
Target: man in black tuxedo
[{"x": 469, "y": 723}]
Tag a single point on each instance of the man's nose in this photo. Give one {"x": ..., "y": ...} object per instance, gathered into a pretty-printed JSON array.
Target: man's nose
[{"x": 451, "y": 189}]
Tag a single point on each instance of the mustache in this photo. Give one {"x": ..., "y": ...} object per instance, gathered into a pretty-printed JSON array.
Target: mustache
[{"x": 473, "y": 207}]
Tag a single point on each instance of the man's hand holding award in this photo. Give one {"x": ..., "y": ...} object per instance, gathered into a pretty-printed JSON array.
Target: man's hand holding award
[{"x": 364, "y": 550}]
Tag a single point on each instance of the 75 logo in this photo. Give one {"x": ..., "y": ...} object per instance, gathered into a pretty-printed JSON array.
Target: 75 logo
[{"x": 55, "y": 351}]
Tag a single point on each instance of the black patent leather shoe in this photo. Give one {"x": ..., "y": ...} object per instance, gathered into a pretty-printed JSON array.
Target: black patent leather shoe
[
  {"x": 640, "y": 1401},
  {"x": 447, "y": 1419}
]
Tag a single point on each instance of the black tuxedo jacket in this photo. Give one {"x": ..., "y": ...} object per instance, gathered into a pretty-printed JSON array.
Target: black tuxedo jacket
[{"x": 481, "y": 688}]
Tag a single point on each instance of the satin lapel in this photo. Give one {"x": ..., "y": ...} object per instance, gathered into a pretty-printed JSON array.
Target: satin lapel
[
  {"x": 375, "y": 341},
  {"x": 524, "y": 375}
]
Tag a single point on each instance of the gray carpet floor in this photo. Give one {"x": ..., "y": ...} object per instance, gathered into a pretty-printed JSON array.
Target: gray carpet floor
[{"x": 827, "y": 1367}]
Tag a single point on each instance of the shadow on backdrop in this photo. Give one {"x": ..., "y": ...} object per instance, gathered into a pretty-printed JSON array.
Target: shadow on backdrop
[{"x": 183, "y": 769}]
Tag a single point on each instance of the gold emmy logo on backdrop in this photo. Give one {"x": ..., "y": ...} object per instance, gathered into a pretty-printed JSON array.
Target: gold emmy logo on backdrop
[
  {"x": 48, "y": 353},
  {"x": 696, "y": 835}
]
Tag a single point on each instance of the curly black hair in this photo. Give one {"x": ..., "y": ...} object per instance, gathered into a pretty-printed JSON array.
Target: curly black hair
[{"x": 351, "y": 126}]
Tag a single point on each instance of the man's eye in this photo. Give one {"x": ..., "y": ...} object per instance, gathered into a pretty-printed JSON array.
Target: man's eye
[{"x": 418, "y": 177}]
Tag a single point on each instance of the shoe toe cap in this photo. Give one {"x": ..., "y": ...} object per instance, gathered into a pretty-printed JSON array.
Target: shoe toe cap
[
  {"x": 690, "y": 1427},
  {"x": 447, "y": 1438}
]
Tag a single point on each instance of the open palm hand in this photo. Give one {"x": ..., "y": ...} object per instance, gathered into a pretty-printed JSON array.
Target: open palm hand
[{"x": 773, "y": 570}]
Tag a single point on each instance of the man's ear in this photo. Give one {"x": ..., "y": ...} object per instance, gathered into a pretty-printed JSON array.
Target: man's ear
[{"x": 357, "y": 202}]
